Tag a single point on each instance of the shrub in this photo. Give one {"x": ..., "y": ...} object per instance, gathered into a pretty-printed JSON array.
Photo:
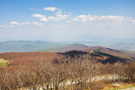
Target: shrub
[{"x": 130, "y": 72}]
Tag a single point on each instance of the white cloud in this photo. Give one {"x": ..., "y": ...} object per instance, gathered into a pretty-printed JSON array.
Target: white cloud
[
  {"x": 51, "y": 9},
  {"x": 43, "y": 19},
  {"x": 14, "y": 23},
  {"x": 59, "y": 12},
  {"x": 109, "y": 19},
  {"x": 38, "y": 16},
  {"x": 58, "y": 17},
  {"x": 37, "y": 23},
  {"x": 52, "y": 18}
]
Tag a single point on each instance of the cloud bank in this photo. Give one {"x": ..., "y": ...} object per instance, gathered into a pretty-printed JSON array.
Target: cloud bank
[
  {"x": 59, "y": 15},
  {"x": 104, "y": 19}
]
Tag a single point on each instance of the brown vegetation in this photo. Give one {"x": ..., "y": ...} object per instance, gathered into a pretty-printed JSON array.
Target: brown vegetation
[
  {"x": 28, "y": 58},
  {"x": 44, "y": 70}
]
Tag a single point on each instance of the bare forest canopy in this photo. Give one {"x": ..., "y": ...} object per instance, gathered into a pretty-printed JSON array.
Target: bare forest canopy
[{"x": 62, "y": 71}]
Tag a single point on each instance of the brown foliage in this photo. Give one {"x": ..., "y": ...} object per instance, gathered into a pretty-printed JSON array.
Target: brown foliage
[
  {"x": 28, "y": 58},
  {"x": 45, "y": 70},
  {"x": 130, "y": 72}
]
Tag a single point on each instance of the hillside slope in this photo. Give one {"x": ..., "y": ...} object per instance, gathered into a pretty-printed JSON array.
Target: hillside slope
[{"x": 82, "y": 47}]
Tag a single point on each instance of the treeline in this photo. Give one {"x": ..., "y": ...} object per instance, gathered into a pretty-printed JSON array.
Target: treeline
[{"x": 66, "y": 74}]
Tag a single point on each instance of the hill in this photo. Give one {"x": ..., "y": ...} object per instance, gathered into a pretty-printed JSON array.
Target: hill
[
  {"x": 96, "y": 55},
  {"x": 86, "y": 48},
  {"x": 68, "y": 47},
  {"x": 26, "y": 46}
]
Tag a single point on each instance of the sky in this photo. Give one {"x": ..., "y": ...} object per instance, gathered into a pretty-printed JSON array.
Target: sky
[{"x": 67, "y": 20}]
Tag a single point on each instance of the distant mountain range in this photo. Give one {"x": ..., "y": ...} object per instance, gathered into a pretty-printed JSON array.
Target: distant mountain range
[
  {"x": 26, "y": 46},
  {"x": 43, "y": 46},
  {"x": 32, "y": 46}
]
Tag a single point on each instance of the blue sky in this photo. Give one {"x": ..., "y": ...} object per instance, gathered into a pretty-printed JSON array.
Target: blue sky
[{"x": 67, "y": 20}]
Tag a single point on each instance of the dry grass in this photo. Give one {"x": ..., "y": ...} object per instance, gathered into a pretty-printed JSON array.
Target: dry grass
[{"x": 117, "y": 86}]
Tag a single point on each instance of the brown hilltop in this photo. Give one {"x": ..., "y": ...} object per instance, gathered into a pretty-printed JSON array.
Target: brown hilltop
[
  {"x": 86, "y": 48},
  {"x": 81, "y": 47}
]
